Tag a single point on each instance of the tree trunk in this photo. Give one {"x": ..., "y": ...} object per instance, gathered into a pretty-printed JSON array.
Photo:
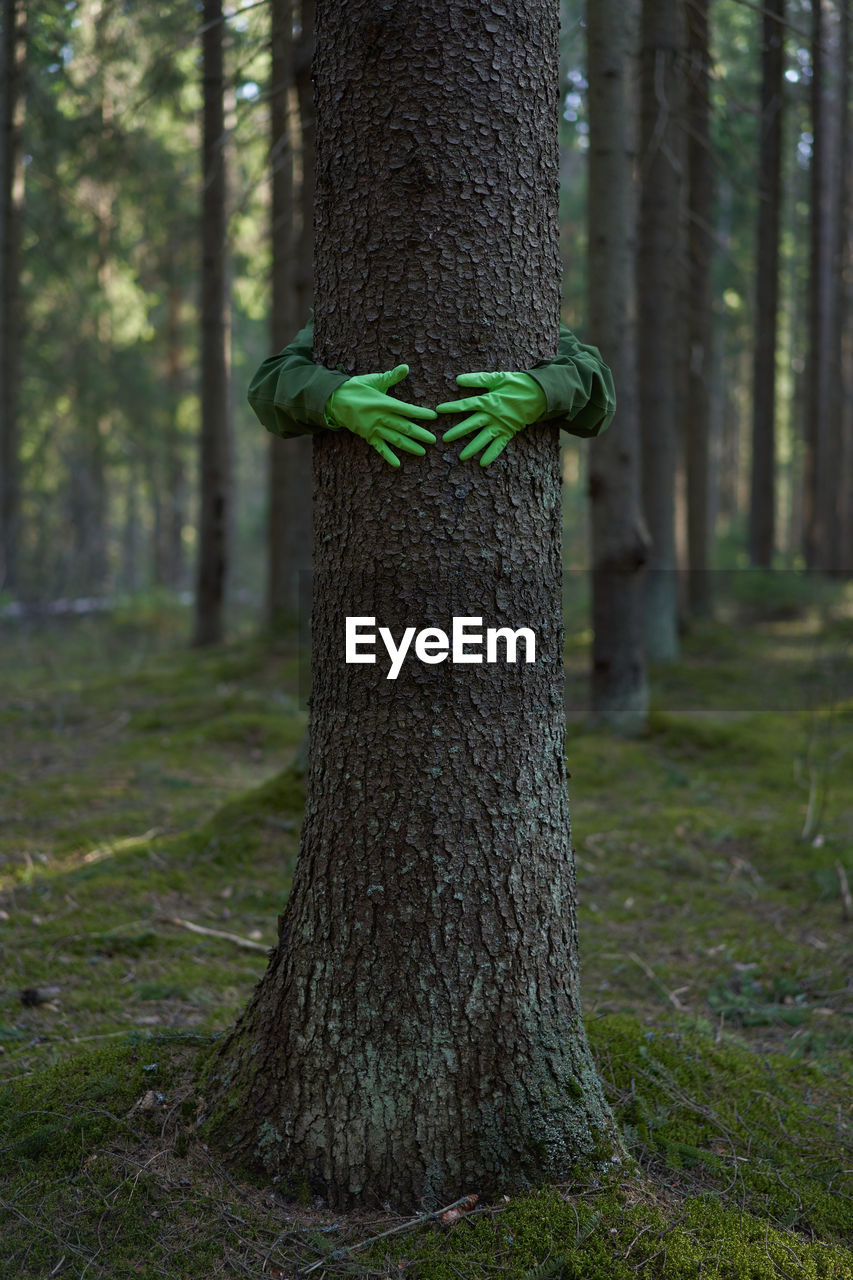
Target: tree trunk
[
  {"x": 763, "y": 495},
  {"x": 215, "y": 461},
  {"x": 174, "y": 495},
  {"x": 839, "y": 476},
  {"x": 699, "y": 251},
  {"x": 282, "y": 587},
  {"x": 293, "y": 285},
  {"x": 418, "y": 1029},
  {"x": 845, "y": 468},
  {"x": 820, "y": 488},
  {"x": 620, "y": 542},
  {"x": 11, "y": 213},
  {"x": 658, "y": 256}
]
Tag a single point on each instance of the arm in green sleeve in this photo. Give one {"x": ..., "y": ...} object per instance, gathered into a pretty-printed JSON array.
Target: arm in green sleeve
[
  {"x": 578, "y": 387},
  {"x": 289, "y": 391}
]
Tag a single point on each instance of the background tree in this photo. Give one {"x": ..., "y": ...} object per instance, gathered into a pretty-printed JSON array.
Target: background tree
[
  {"x": 822, "y": 423},
  {"x": 12, "y": 55},
  {"x": 700, "y": 213},
  {"x": 763, "y": 488},
  {"x": 214, "y": 442},
  {"x": 619, "y": 539},
  {"x": 430, "y": 934},
  {"x": 282, "y": 582},
  {"x": 659, "y": 255},
  {"x": 290, "y": 526}
]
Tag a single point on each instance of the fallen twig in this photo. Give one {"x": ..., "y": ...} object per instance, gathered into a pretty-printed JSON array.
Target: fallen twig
[
  {"x": 404, "y": 1226},
  {"x": 246, "y": 943}
]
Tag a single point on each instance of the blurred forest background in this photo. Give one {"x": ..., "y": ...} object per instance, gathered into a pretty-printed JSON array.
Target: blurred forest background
[{"x": 115, "y": 169}]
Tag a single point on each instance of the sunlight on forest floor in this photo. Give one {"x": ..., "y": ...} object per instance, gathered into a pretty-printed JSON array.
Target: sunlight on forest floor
[{"x": 144, "y": 790}]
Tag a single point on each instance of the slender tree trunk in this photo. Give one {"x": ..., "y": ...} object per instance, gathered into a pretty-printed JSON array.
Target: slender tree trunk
[
  {"x": 282, "y": 580},
  {"x": 215, "y": 461},
  {"x": 304, "y": 274},
  {"x": 174, "y": 490},
  {"x": 12, "y": 56},
  {"x": 290, "y": 473},
  {"x": 839, "y": 479},
  {"x": 763, "y": 492},
  {"x": 130, "y": 534},
  {"x": 820, "y": 496},
  {"x": 418, "y": 1029},
  {"x": 699, "y": 319},
  {"x": 658, "y": 256},
  {"x": 845, "y": 468},
  {"x": 620, "y": 542}
]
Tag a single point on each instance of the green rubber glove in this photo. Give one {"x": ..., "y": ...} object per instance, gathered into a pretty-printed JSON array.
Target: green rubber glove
[
  {"x": 511, "y": 402},
  {"x": 361, "y": 405}
]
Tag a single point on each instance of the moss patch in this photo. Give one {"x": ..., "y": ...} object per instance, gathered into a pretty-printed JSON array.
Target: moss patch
[{"x": 715, "y": 964}]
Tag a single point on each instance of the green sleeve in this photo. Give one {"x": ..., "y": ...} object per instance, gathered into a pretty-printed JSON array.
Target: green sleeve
[
  {"x": 289, "y": 391},
  {"x": 578, "y": 387}
]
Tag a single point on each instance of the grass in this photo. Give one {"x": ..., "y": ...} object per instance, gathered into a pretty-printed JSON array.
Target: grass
[{"x": 142, "y": 783}]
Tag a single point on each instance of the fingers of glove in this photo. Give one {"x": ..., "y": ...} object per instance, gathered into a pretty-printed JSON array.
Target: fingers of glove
[
  {"x": 384, "y": 452},
  {"x": 494, "y": 450},
  {"x": 382, "y": 381},
  {"x": 406, "y": 428},
  {"x": 417, "y": 411},
  {"x": 466, "y": 426},
  {"x": 373, "y": 399},
  {"x": 462, "y": 406},
  {"x": 414, "y": 432},
  {"x": 490, "y": 380},
  {"x": 486, "y": 436},
  {"x": 400, "y": 441}
]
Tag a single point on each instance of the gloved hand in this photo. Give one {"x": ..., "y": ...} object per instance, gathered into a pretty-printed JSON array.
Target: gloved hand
[
  {"x": 361, "y": 405},
  {"x": 511, "y": 402}
]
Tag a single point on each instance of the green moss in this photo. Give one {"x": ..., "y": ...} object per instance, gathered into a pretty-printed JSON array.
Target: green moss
[
  {"x": 762, "y": 1127},
  {"x": 613, "y": 1235}
]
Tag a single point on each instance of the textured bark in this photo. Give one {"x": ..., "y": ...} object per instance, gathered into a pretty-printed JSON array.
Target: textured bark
[
  {"x": 700, "y": 200},
  {"x": 620, "y": 542},
  {"x": 418, "y": 1029},
  {"x": 12, "y": 55},
  {"x": 215, "y": 460},
  {"x": 658, "y": 256}
]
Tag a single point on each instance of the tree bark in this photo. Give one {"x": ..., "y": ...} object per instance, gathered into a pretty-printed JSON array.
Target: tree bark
[
  {"x": 282, "y": 581},
  {"x": 11, "y": 212},
  {"x": 658, "y": 258},
  {"x": 763, "y": 491},
  {"x": 700, "y": 179},
  {"x": 620, "y": 541},
  {"x": 214, "y": 443},
  {"x": 293, "y": 290},
  {"x": 821, "y": 436},
  {"x": 845, "y": 468},
  {"x": 418, "y": 1029}
]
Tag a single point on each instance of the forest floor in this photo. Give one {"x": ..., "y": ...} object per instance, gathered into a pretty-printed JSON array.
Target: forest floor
[{"x": 146, "y": 788}]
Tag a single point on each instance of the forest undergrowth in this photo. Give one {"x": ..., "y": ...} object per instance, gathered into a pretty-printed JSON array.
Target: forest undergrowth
[{"x": 151, "y": 801}]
